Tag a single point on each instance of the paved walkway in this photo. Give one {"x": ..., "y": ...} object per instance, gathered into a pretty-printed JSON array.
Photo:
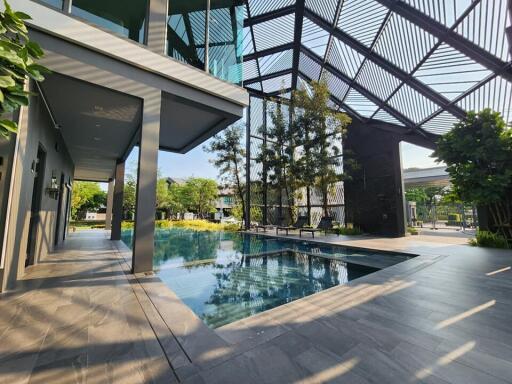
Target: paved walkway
[
  {"x": 76, "y": 319},
  {"x": 443, "y": 317}
]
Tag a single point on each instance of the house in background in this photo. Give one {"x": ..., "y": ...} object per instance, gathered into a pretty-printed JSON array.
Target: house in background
[{"x": 226, "y": 201}]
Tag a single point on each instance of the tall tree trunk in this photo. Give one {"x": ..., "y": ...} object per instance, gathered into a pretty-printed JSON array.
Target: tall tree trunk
[{"x": 240, "y": 191}]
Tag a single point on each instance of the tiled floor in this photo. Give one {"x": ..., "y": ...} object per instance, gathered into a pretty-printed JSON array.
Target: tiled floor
[
  {"x": 77, "y": 320},
  {"x": 444, "y": 317}
]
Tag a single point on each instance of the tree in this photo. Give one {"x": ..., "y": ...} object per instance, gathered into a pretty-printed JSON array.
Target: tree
[
  {"x": 478, "y": 152},
  {"x": 200, "y": 195},
  {"x": 18, "y": 57},
  {"x": 87, "y": 196},
  {"x": 129, "y": 195},
  {"x": 322, "y": 130},
  {"x": 278, "y": 154},
  {"x": 230, "y": 160},
  {"x": 169, "y": 198}
]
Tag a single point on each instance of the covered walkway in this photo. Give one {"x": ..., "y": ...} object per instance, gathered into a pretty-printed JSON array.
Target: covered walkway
[{"x": 443, "y": 317}]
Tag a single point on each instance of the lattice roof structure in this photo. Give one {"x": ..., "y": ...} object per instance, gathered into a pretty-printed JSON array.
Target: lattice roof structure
[{"x": 417, "y": 64}]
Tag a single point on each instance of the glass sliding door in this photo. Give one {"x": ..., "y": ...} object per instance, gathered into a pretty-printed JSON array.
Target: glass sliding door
[{"x": 126, "y": 18}]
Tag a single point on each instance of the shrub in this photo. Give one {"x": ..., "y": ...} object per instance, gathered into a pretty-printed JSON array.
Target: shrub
[
  {"x": 489, "y": 240},
  {"x": 355, "y": 231},
  {"x": 197, "y": 225},
  {"x": 413, "y": 231}
]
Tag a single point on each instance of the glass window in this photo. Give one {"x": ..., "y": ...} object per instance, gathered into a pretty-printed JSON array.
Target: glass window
[
  {"x": 127, "y": 18},
  {"x": 54, "y": 3},
  {"x": 186, "y": 25}
]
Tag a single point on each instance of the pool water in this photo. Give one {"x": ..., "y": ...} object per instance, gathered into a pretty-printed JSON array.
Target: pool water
[{"x": 224, "y": 276}]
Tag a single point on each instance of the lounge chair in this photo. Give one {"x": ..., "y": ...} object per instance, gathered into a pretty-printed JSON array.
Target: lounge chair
[
  {"x": 300, "y": 223},
  {"x": 324, "y": 225},
  {"x": 264, "y": 227},
  {"x": 269, "y": 226}
]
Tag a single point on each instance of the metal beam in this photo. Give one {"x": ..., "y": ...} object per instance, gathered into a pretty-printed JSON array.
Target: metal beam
[
  {"x": 268, "y": 76},
  {"x": 263, "y": 95},
  {"x": 362, "y": 90},
  {"x": 249, "y": 22},
  {"x": 248, "y": 169},
  {"x": 452, "y": 38},
  {"x": 297, "y": 40},
  {"x": 386, "y": 65},
  {"x": 268, "y": 52}
]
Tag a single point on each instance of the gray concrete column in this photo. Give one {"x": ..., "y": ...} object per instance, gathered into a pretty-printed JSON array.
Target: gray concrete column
[
  {"x": 117, "y": 202},
  {"x": 144, "y": 235},
  {"x": 110, "y": 201},
  {"x": 157, "y": 26}
]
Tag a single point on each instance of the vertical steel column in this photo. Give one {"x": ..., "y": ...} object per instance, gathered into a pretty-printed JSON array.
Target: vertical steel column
[
  {"x": 248, "y": 168},
  {"x": 207, "y": 38},
  {"x": 110, "y": 200},
  {"x": 156, "y": 26},
  {"x": 117, "y": 203},
  {"x": 66, "y": 6},
  {"x": 144, "y": 234},
  {"x": 264, "y": 171}
]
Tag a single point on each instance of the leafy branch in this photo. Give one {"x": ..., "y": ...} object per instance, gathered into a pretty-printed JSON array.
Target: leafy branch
[{"x": 18, "y": 56}]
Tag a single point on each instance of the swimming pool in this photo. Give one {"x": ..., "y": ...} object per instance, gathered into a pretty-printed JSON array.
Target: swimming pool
[{"x": 225, "y": 276}]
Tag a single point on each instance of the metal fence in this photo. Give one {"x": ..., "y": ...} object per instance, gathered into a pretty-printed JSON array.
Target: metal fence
[{"x": 268, "y": 204}]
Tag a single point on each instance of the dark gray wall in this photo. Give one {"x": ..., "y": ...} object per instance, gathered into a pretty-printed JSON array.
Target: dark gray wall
[
  {"x": 374, "y": 197},
  {"x": 35, "y": 128}
]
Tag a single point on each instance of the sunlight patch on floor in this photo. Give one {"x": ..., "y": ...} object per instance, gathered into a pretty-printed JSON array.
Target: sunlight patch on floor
[
  {"x": 498, "y": 271},
  {"x": 331, "y": 373},
  {"x": 465, "y": 315},
  {"x": 445, "y": 360}
]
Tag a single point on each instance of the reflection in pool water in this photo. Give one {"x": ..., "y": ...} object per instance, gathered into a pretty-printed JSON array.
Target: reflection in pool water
[{"x": 224, "y": 277}]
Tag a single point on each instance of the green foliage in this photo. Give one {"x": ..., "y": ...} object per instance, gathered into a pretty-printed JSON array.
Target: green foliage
[
  {"x": 345, "y": 231},
  {"x": 278, "y": 154},
  {"x": 489, "y": 240},
  {"x": 412, "y": 231},
  {"x": 129, "y": 195},
  {"x": 256, "y": 214},
  {"x": 425, "y": 195},
  {"x": 230, "y": 160},
  {"x": 18, "y": 56},
  {"x": 87, "y": 224},
  {"x": 197, "y": 225},
  {"x": 320, "y": 130},
  {"x": 478, "y": 152},
  {"x": 454, "y": 217},
  {"x": 199, "y": 195},
  {"x": 87, "y": 196}
]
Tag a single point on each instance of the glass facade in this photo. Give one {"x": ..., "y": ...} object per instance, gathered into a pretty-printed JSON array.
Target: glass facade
[
  {"x": 54, "y": 3},
  {"x": 186, "y": 31},
  {"x": 127, "y": 18}
]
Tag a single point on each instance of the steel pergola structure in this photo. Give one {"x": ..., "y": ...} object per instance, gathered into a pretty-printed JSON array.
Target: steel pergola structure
[
  {"x": 417, "y": 64},
  {"x": 412, "y": 67}
]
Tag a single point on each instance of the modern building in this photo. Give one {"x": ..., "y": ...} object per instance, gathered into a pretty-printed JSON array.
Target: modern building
[
  {"x": 180, "y": 305},
  {"x": 225, "y": 202},
  {"x": 123, "y": 74}
]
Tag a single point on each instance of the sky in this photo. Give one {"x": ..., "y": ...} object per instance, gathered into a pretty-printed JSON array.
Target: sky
[{"x": 197, "y": 162}]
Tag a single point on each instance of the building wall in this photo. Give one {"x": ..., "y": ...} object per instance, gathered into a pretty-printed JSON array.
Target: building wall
[
  {"x": 374, "y": 197},
  {"x": 35, "y": 128}
]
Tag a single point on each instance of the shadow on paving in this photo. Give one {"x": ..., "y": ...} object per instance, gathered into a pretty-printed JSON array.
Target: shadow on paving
[{"x": 443, "y": 320}]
